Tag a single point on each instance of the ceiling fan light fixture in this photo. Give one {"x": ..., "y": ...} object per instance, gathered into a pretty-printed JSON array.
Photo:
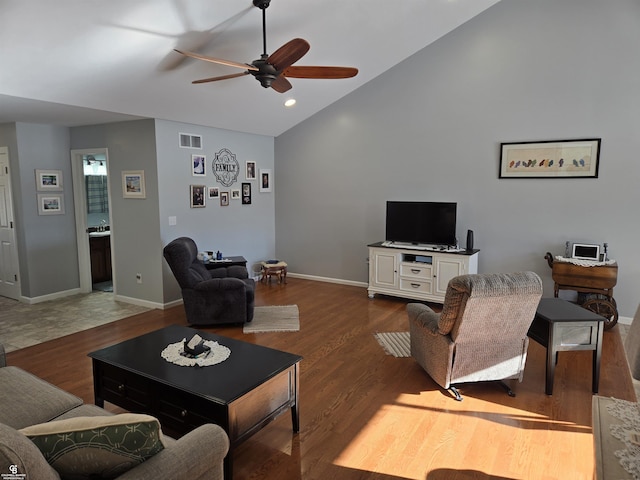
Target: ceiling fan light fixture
[{"x": 290, "y": 102}]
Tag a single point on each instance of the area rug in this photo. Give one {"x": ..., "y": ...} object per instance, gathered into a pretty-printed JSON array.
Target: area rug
[
  {"x": 274, "y": 318},
  {"x": 395, "y": 343}
]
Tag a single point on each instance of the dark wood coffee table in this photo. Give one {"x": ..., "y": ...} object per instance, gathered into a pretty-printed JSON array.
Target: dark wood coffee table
[
  {"x": 242, "y": 394},
  {"x": 564, "y": 326}
]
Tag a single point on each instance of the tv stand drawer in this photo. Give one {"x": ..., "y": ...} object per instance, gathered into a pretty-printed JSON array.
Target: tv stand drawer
[
  {"x": 418, "y": 286},
  {"x": 415, "y": 270}
]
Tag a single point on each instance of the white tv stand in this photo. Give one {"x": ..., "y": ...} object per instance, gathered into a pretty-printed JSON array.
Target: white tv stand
[{"x": 416, "y": 272}]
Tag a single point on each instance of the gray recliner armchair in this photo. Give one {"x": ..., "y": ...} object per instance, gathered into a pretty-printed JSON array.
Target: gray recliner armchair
[
  {"x": 481, "y": 334},
  {"x": 221, "y": 295}
]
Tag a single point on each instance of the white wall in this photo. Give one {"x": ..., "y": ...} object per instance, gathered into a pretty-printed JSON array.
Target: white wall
[{"x": 430, "y": 129}]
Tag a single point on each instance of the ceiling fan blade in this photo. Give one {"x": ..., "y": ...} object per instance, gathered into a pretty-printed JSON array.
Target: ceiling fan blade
[
  {"x": 319, "y": 72},
  {"x": 222, "y": 77},
  {"x": 281, "y": 84},
  {"x": 220, "y": 61},
  {"x": 289, "y": 53}
]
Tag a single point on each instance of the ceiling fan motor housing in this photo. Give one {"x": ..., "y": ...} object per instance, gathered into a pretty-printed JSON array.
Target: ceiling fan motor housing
[
  {"x": 261, "y": 4},
  {"x": 266, "y": 72}
]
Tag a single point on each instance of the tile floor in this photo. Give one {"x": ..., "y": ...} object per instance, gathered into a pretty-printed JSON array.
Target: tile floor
[{"x": 23, "y": 325}]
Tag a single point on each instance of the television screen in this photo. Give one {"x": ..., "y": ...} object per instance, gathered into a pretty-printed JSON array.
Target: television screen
[{"x": 431, "y": 223}]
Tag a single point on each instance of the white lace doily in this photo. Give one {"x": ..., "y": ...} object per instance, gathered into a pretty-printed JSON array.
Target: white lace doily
[
  {"x": 218, "y": 354},
  {"x": 629, "y": 414},
  {"x": 584, "y": 263}
]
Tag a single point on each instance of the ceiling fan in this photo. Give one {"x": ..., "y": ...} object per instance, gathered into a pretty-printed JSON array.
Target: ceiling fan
[{"x": 273, "y": 70}]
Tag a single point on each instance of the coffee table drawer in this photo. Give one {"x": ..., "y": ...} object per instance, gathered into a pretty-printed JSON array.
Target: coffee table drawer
[
  {"x": 183, "y": 412},
  {"x": 125, "y": 389},
  {"x": 264, "y": 403}
]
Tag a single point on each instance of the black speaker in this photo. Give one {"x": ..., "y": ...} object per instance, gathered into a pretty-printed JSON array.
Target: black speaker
[{"x": 469, "y": 240}]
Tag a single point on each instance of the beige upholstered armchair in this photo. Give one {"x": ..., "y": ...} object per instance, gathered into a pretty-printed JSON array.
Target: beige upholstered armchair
[{"x": 481, "y": 334}]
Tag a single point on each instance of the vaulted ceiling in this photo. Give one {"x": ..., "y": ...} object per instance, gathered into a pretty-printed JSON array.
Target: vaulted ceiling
[{"x": 79, "y": 62}]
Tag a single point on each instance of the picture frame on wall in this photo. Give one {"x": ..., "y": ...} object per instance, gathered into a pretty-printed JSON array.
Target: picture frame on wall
[
  {"x": 133, "y": 185},
  {"x": 214, "y": 192},
  {"x": 49, "y": 180},
  {"x": 50, "y": 204},
  {"x": 196, "y": 195},
  {"x": 246, "y": 193},
  {"x": 250, "y": 170},
  {"x": 199, "y": 165},
  {"x": 224, "y": 199},
  {"x": 265, "y": 180},
  {"x": 235, "y": 194},
  {"x": 550, "y": 159}
]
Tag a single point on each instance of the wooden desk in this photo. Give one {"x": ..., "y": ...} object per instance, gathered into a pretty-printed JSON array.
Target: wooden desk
[{"x": 563, "y": 326}]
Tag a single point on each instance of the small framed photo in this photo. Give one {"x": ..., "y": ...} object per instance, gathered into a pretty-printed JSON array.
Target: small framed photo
[
  {"x": 133, "y": 184},
  {"x": 198, "y": 165},
  {"x": 224, "y": 199},
  {"x": 246, "y": 193},
  {"x": 265, "y": 180},
  {"x": 214, "y": 192},
  {"x": 250, "y": 171},
  {"x": 235, "y": 194},
  {"x": 197, "y": 195},
  {"x": 49, "y": 180},
  {"x": 50, "y": 204}
]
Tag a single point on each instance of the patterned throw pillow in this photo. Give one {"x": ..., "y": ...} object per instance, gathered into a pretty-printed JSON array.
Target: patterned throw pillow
[{"x": 97, "y": 447}]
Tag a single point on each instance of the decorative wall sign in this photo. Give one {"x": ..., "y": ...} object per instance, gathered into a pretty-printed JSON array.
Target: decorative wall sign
[
  {"x": 225, "y": 167},
  {"x": 550, "y": 159}
]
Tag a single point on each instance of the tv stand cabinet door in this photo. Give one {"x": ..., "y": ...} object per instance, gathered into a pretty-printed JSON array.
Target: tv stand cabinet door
[
  {"x": 447, "y": 267},
  {"x": 384, "y": 269}
]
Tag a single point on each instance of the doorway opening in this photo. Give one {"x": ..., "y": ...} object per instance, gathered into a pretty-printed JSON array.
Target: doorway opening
[{"x": 90, "y": 170}]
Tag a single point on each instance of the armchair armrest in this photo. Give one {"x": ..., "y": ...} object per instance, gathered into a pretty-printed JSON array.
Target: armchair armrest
[
  {"x": 218, "y": 284},
  {"x": 197, "y": 455},
  {"x": 424, "y": 316}
]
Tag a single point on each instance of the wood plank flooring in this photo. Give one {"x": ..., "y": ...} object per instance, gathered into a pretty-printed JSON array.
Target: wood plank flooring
[{"x": 367, "y": 415}]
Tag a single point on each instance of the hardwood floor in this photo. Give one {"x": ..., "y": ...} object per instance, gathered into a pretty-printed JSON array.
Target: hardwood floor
[{"x": 367, "y": 415}]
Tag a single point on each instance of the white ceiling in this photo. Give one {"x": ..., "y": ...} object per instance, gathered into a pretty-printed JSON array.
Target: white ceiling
[{"x": 80, "y": 62}]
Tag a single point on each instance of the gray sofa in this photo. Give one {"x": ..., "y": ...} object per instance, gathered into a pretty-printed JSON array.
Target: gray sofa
[{"x": 26, "y": 400}]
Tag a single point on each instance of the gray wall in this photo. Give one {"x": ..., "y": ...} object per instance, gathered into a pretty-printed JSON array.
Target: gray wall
[
  {"x": 135, "y": 231},
  {"x": 430, "y": 129},
  {"x": 47, "y": 244},
  {"x": 236, "y": 229}
]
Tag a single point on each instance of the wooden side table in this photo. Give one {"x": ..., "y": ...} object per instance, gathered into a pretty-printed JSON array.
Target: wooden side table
[
  {"x": 278, "y": 270},
  {"x": 564, "y": 326}
]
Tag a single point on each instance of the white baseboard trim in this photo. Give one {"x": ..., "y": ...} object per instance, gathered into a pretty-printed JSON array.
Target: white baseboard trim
[
  {"x": 49, "y": 296},
  {"x": 625, "y": 320},
  {"x": 175, "y": 303},
  {"x": 328, "y": 280},
  {"x": 138, "y": 301}
]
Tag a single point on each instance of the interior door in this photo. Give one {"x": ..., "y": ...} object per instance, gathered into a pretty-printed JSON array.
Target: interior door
[{"x": 9, "y": 280}]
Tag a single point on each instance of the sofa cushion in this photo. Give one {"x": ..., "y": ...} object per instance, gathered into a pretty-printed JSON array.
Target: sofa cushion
[
  {"x": 18, "y": 450},
  {"x": 97, "y": 447},
  {"x": 27, "y": 399}
]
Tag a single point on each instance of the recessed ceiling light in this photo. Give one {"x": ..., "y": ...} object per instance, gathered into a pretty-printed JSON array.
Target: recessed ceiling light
[{"x": 290, "y": 102}]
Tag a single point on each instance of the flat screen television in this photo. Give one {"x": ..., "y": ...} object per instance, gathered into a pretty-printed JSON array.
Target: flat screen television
[{"x": 431, "y": 223}]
